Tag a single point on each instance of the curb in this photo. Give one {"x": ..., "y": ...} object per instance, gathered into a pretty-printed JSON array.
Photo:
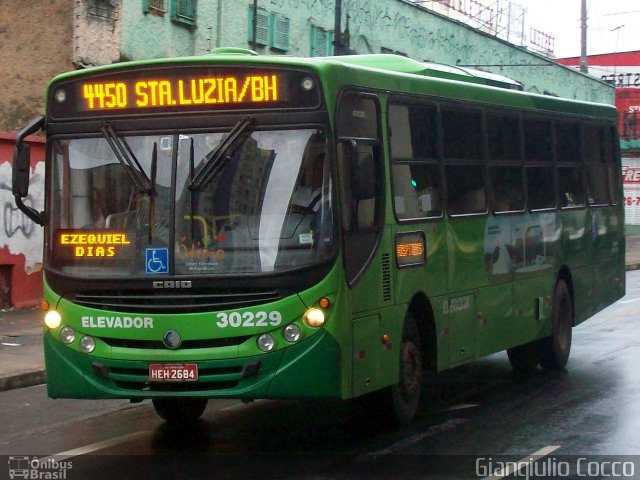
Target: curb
[
  {"x": 21, "y": 380},
  {"x": 632, "y": 266}
]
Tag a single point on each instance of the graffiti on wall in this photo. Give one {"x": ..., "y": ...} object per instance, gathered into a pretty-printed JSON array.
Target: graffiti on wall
[
  {"x": 317, "y": 6},
  {"x": 370, "y": 16},
  {"x": 379, "y": 17},
  {"x": 19, "y": 234}
]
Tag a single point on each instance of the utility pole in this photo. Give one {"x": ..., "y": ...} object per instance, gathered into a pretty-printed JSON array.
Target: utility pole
[
  {"x": 337, "y": 30},
  {"x": 254, "y": 26},
  {"x": 583, "y": 38}
]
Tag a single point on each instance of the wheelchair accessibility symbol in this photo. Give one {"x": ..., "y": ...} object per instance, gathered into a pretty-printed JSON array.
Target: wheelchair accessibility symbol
[{"x": 157, "y": 260}]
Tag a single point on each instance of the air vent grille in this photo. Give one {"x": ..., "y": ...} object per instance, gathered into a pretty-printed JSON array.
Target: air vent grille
[
  {"x": 188, "y": 301},
  {"x": 386, "y": 277}
]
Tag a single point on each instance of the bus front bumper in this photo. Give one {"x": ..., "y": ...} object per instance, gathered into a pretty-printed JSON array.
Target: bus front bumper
[{"x": 310, "y": 368}]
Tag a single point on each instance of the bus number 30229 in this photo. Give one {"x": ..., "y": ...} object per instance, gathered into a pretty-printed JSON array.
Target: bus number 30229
[{"x": 249, "y": 319}]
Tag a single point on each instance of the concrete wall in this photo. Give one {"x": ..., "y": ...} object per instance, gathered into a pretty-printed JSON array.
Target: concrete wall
[
  {"x": 21, "y": 240},
  {"x": 397, "y": 25},
  {"x": 34, "y": 40},
  {"x": 154, "y": 35},
  {"x": 96, "y": 34}
]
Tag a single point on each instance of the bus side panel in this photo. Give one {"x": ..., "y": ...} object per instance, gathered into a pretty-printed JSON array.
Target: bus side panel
[
  {"x": 426, "y": 279},
  {"x": 466, "y": 274},
  {"x": 532, "y": 307},
  {"x": 466, "y": 253},
  {"x": 608, "y": 284},
  {"x": 375, "y": 363},
  {"x": 582, "y": 278},
  {"x": 494, "y": 319},
  {"x": 575, "y": 242},
  {"x": 576, "y": 252},
  {"x": 371, "y": 301},
  {"x": 534, "y": 251},
  {"x": 495, "y": 311}
]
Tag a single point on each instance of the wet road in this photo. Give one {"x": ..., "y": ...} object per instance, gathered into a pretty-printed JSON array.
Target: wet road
[{"x": 483, "y": 409}]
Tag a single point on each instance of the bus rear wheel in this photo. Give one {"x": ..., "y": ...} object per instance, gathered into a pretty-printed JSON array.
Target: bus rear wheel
[
  {"x": 556, "y": 347},
  {"x": 524, "y": 359},
  {"x": 180, "y": 411}
]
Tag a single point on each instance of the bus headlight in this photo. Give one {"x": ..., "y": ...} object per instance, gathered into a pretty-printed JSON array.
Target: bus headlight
[
  {"x": 87, "y": 344},
  {"x": 67, "y": 334},
  {"x": 291, "y": 333},
  {"x": 266, "y": 342},
  {"x": 314, "y": 317},
  {"x": 52, "y": 319}
]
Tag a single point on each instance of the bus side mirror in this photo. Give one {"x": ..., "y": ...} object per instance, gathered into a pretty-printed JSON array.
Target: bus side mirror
[{"x": 21, "y": 169}]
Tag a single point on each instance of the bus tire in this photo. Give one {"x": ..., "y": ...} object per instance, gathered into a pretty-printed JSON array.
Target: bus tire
[
  {"x": 524, "y": 359},
  {"x": 557, "y": 347},
  {"x": 405, "y": 395},
  {"x": 179, "y": 411}
]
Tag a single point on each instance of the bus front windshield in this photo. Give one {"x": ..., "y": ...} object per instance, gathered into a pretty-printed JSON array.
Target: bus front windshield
[{"x": 243, "y": 201}]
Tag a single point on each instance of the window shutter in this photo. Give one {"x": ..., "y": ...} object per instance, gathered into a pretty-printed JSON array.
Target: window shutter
[
  {"x": 262, "y": 27},
  {"x": 280, "y": 32},
  {"x": 321, "y": 42},
  {"x": 183, "y": 11}
]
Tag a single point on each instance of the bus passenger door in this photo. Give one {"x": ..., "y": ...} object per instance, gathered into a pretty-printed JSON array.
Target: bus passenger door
[{"x": 361, "y": 179}]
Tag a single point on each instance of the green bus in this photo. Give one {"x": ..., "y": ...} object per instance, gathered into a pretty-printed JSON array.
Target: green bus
[{"x": 243, "y": 226}]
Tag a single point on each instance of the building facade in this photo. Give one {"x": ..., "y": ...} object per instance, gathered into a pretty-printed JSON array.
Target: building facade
[
  {"x": 622, "y": 70},
  {"x": 45, "y": 38}
]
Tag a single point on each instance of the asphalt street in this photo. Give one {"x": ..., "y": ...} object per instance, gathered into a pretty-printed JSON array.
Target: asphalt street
[{"x": 482, "y": 410}]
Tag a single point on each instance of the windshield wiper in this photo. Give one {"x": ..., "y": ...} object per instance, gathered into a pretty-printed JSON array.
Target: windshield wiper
[
  {"x": 222, "y": 153},
  {"x": 192, "y": 195},
  {"x": 127, "y": 159},
  {"x": 152, "y": 191}
]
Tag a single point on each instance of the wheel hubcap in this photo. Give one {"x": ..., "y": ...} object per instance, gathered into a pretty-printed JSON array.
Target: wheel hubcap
[{"x": 411, "y": 369}]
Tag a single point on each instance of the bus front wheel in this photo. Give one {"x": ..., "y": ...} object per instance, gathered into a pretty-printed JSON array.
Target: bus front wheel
[
  {"x": 179, "y": 411},
  {"x": 556, "y": 347},
  {"x": 405, "y": 395}
]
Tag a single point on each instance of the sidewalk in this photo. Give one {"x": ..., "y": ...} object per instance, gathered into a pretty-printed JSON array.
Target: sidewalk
[{"x": 21, "y": 353}]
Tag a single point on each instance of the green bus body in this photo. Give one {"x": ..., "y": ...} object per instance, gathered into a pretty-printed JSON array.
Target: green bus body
[{"x": 463, "y": 309}]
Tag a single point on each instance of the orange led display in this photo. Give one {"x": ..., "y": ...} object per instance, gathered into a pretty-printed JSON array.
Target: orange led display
[
  {"x": 80, "y": 244},
  {"x": 410, "y": 249},
  {"x": 181, "y": 92}
]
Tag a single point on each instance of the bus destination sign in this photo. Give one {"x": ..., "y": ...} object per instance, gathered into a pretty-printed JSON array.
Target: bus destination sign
[
  {"x": 170, "y": 90},
  {"x": 179, "y": 92},
  {"x": 93, "y": 245}
]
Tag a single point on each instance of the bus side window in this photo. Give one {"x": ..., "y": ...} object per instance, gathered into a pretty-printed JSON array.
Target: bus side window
[
  {"x": 537, "y": 140},
  {"x": 464, "y": 171},
  {"x": 538, "y": 155},
  {"x": 507, "y": 188},
  {"x": 540, "y": 188},
  {"x": 415, "y": 170},
  {"x": 504, "y": 142},
  {"x": 596, "y": 163},
  {"x": 465, "y": 189},
  {"x": 569, "y": 157}
]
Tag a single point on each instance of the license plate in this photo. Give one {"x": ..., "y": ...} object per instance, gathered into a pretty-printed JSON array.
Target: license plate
[{"x": 173, "y": 372}]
